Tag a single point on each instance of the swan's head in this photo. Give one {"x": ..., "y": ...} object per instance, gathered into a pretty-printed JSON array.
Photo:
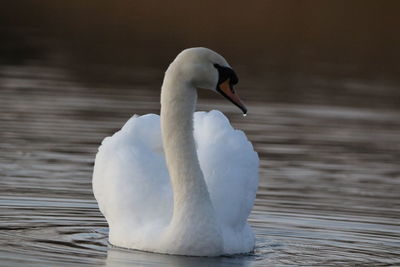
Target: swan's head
[{"x": 206, "y": 69}]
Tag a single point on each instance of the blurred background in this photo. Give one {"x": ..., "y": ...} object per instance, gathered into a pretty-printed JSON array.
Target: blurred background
[
  {"x": 307, "y": 51},
  {"x": 321, "y": 80}
]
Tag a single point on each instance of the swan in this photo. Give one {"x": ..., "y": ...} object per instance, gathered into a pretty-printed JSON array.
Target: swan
[{"x": 183, "y": 182}]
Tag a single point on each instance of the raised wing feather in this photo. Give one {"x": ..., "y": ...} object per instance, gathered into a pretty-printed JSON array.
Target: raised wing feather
[{"x": 229, "y": 165}]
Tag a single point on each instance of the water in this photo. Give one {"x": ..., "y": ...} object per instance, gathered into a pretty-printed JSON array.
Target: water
[{"x": 329, "y": 188}]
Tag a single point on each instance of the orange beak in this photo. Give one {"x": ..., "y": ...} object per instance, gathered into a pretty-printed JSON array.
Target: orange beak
[{"x": 226, "y": 89}]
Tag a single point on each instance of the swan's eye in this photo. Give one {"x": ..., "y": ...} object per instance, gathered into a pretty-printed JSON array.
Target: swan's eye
[
  {"x": 225, "y": 73},
  {"x": 226, "y": 79}
]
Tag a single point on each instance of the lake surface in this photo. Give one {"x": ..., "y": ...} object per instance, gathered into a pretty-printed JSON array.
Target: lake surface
[{"x": 329, "y": 189}]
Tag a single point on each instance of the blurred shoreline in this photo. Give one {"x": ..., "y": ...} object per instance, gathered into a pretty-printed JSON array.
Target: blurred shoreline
[{"x": 301, "y": 51}]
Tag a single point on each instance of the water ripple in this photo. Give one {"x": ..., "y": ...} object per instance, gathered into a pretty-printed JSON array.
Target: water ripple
[{"x": 329, "y": 189}]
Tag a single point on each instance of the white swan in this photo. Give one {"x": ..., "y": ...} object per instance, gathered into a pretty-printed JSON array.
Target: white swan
[{"x": 186, "y": 185}]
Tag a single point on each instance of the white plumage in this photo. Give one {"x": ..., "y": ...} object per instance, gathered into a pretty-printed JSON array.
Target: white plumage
[{"x": 132, "y": 184}]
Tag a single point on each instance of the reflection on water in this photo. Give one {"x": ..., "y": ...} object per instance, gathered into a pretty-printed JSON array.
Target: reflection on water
[
  {"x": 121, "y": 257},
  {"x": 329, "y": 188}
]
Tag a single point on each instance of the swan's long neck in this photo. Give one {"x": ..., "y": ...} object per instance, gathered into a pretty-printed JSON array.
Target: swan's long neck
[{"x": 191, "y": 198}]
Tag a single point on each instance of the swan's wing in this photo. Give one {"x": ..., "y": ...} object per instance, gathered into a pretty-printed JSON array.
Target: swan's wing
[
  {"x": 230, "y": 167},
  {"x": 130, "y": 178}
]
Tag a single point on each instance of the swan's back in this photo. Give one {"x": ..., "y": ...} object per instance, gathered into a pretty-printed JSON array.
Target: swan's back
[{"x": 131, "y": 181}]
